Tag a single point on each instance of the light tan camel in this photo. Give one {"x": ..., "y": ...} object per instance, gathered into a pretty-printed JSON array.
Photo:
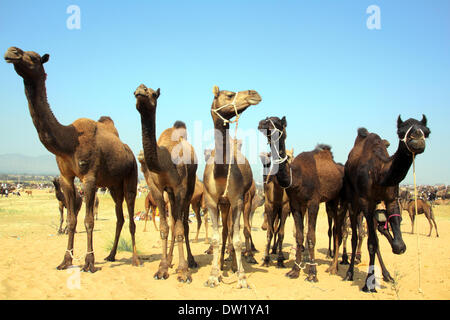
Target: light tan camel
[
  {"x": 172, "y": 164},
  {"x": 227, "y": 167},
  {"x": 87, "y": 149}
]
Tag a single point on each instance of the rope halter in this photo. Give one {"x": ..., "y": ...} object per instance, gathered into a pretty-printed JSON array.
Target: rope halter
[
  {"x": 273, "y": 131},
  {"x": 405, "y": 138},
  {"x": 225, "y": 121}
]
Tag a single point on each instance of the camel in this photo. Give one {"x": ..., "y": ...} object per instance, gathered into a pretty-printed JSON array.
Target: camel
[
  {"x": 198, "y": 204},
  {"x": 276, "y": 211},
  {"x": 87, "y": 149},
  {"x": 371, "y": 176},
  {"x": 227, "y": 176},
  {"x": 29, "y": 192},
  {"x": 422, "y": 208},
  {"x": 62, "y": 204},
  {"x": 311, "y": 178},
  {"x": 172, "y": 164}
]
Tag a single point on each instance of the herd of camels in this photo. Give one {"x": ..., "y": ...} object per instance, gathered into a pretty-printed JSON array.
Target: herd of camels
[{"x": 93, "y": 152}]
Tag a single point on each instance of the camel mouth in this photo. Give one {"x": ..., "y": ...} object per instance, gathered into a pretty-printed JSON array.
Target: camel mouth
[
  {"x": 13, "y": 55},
  {"x": 254, "y": 101}
]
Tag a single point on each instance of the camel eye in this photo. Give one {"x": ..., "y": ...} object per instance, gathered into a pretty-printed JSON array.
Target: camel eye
[{"x": 230, "y": 95}]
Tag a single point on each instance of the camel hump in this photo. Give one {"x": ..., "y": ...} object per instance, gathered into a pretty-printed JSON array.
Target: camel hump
[
  {"x": 109, "y": 124},
  {"x": 363, "y": 133},
  {"x": 321, "y": 147},
  {"x": 105, "y": 119}
]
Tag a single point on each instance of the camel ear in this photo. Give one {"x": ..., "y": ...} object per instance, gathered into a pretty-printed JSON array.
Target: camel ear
[
  {"x": 45, "y": 58},
  {"x": 284, "y": 122},
  {"x": 424, "y": 120},
  {"x": 399, "y": 121},
  {"x": 216, "y": 91},
  {"x": 158, "y": 92}
]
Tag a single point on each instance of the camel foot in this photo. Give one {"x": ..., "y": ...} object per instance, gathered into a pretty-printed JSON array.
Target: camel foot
[
  {"x": 358, "y": 258},
  {"x": 210, "y": 250},
  {"x": 293, "y": 274},
  {"x": 266, "y": 262},
  {"x": 161, "y": 274},
  {"x": 242, "y": 282},
  {"x": 135, "y": 261},
  {"x": 250, "y": 259},
  {"x": 191, "y": 263},
  {"x": 60, "y": 231},
  {"x": 89, "y": 266},
  {"x": 366, "y": 289},
  {"x": 332, "y": 270},
  {"x": 213, "y": 281},
  {"x": 184, "y": 276},
  {"x": 280, "y": 264},
  {"x": 312, "y": 278},
  {"x": 387, "y": 277},
  {"x": 349, "y": 276},
  {"x": 111, "y": 257},
  {"x": 67, "y": 262},
  {"x": 344, "y": 259}
]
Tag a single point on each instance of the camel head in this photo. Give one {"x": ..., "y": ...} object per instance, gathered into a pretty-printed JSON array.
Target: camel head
[
  {"x": 290, "y": 155},
  {"x": 28, "y": 64},
  {"x": 273, "y": 127},
  {"x": 228, "y": 104},
  {"x": 146, "y": 99},
  {"x": 413, "y": 133}
]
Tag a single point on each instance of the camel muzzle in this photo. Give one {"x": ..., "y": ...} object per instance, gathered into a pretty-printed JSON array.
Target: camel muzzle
[{"x": 13, "y": 54}]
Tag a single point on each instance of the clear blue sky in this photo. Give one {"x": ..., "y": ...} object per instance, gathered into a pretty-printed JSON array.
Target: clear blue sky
[{"x": 314, "y": 62}]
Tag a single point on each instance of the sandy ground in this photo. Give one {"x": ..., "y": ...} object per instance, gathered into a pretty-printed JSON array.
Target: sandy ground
[{"x": 31, "y": 249}]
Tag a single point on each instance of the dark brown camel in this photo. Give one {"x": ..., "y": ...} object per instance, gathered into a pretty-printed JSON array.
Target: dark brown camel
[
  {"x": 312, "y": 177},
  {"x": 372, "y": 176},
  {"x": 172, "y": 164},
  {"x": 227, "y": 167},
  {"x": 422, "y": 208},
  {"x": 198, "y": 205},
  {"x": 62, "y": 203},
  {"x": 87, "y": 149},
  {"x": 276, "y": 211}
]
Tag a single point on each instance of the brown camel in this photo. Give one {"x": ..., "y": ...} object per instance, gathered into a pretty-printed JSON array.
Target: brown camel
[
  {"x": 62, "y": 204},
  {"x": 227, "y": 167},
  {"x": 312, "y": 177},
  {"x": 172, "y": 164},
  {"x": 87, "y": 149},
  {"x": 29, "y": 192},
  {"x": 371, "y": 176},
  {"x": 198, "y": 204},
  {"x": 276, "y": 211},
  {"x": 422, "y": 208}
]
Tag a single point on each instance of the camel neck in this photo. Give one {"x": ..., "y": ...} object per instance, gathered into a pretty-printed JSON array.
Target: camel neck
[
  {"x": 222, "y": 154},
  {"x": 149, "y": 140},
  {"x": 278, "y": 150},
  {"x": 56, "y": 138},
  {"x": 399, "y": 166}
]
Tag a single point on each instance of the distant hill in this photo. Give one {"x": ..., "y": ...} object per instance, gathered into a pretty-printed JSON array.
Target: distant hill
[{"x": 21, "y": 164}]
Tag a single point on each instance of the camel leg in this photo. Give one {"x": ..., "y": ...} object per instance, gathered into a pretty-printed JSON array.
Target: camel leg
[
  {"x": 215, "y": 276},
  {"x": 225, "y": 212},
  {"x": 280, "y": 232},
  {"x": 339, "y": 214},
  {"x": 163, "y": 268},
  {"x": 344, "y": 260},
  {"x": 68, "y": 189},
  {"x": 182, "y": 270},
  {"x": 298, "y": 220},
  {"x": 147, "y": 209},
  {"x": 248, "y": 253},
  {"x": 236, "y": 217},
  {"x": 330, "y": 229},
  {"x": 130, "y": 186},
  {"x": 354, "y": 225},
  {"x": 434, "y": 221},
  {"x": 360, "y": 238},
  {"x": 276, "y": 224},
  {"x": 61, "y": 217},
  {"x": 372, "y": 246},
  {"x": 172, "y": 239},
  {"x": 90, "y": 190},
  {"x": 205, "y": 217},
  {"x": 269, "y": 219},
  {"x": 412, "y": 217},
  {"x": 190, "y": 257},
  {"x": 196, "y": 208},
  {"x": 311, "y": 238},
  {"x": 386, "y": 275},
  {"x": 117, "y": 195}
]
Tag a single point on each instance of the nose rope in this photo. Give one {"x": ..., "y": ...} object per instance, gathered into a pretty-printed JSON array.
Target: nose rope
[
  {"x": 405, "y": 139},
  {"x": 387, "y": 220}
]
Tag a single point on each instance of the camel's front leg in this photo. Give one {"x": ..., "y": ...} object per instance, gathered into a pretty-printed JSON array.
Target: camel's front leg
[
  {"x": 236, "y": 216},
  {"x": 163, "y": 270},
  {"x": 215, "y": 276},
  {"x": 69, "y": 190},
  {"x": 90, "y": 189}
]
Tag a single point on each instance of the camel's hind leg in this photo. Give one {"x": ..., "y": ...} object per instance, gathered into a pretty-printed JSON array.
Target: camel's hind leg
[
  {"x": 215, "y": 275},
  {"x": 118, "y": 196},
  {"x": 196, "y": 208},
  {"x": 247, "y": 232},
  {"x": 280, "y": 232},
  {"x": 61, "y": 216},
  {"x": 130, "y": 186},
  {"x": 311, "y": 238},
  {"x": 434, "y": 221},
  {"x": 269, "y": 226}
]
